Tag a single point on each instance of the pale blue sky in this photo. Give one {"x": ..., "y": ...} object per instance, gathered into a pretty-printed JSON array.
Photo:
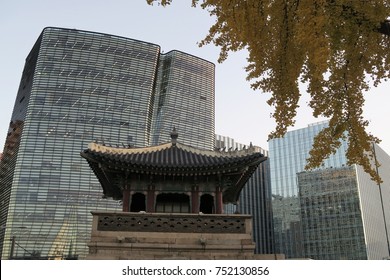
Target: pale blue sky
[{"x": 240, "y": 112}]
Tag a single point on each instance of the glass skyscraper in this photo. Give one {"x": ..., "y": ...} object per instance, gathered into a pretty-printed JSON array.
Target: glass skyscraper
[
  {"x": 255, "y": 198},
  {"x": 332, "y": 227},
  {"x": 78, "y": 87},
  {"x": 184, "y": 99},
  {"x": 334, "y": 212}
]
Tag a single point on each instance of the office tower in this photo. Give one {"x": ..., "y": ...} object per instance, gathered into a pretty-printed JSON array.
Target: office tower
[
  {"x": 255, "y": 198},
  {"x": 333, "y": 212},
  {"x": 331, "y": 218},
  {"x": 77, "y": 87},
  {"x": 185, "y": 100}
]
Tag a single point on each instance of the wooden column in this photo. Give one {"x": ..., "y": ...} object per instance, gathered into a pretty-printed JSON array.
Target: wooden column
[
  {"x": 150, "y": 199},
  {"x": 195, "y": 199},
  {"x": 126, "y": 195},
  {"x": 218, "y": 202},
  {"x": 126, "y": 200}
]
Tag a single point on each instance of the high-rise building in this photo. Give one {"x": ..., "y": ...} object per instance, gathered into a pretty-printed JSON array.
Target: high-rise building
[
  {"x": 331, "y": 218},
  {"x": 77, "y": 87},
  {"x": 255, "y": 198},
  {"x": 333, "y": 212},
  {"x": 184, "y": 99}
]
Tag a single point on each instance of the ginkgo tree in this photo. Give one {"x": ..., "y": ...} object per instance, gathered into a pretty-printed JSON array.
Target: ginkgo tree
[{"x": 338, "y": 48}]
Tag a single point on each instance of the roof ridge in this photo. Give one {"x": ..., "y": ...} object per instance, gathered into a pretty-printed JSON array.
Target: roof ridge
[
  {"x": 144, "y": 150},
  {"x": 212, "y": 153},
  {"x": 134, "y": 150}
]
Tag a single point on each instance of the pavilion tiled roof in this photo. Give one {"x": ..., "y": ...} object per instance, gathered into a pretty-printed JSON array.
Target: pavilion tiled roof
[{"x": 171, "y": 158}]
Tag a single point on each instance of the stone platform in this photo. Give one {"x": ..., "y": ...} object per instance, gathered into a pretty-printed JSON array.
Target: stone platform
[{"x": 136, "y": 236}]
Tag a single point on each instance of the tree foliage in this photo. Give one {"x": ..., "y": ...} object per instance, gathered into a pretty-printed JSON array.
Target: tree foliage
[{"x": 339, "y": 48}]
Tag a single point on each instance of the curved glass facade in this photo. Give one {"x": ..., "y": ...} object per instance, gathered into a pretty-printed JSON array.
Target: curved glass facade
[
  {"x": 77, "y": 87},
  {"x": 185, "y": 100}
]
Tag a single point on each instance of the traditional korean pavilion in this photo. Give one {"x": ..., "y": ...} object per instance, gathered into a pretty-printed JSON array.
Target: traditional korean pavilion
[
  {"x": 172, "y": 177},
  {"x": 172, "y": 196}
]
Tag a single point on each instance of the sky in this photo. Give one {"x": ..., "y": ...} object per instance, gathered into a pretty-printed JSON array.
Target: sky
[{"x": 240, "y": 112}]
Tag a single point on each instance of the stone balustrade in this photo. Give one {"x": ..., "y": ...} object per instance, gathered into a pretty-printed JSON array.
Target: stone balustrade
[{"x": 167, "y": 222}]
